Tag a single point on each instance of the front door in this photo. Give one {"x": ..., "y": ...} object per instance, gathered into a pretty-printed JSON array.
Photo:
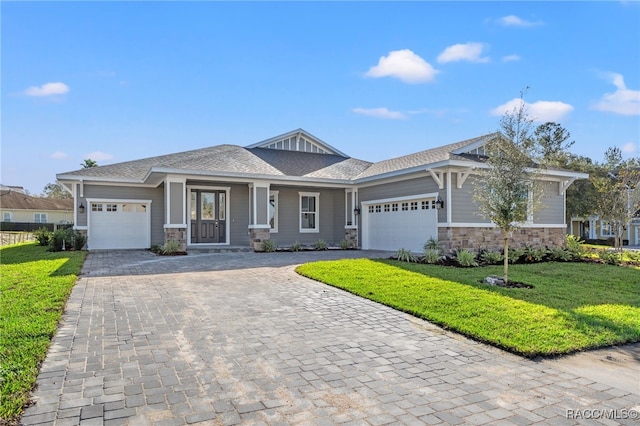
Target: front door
[{"x": 208, "y": 216}]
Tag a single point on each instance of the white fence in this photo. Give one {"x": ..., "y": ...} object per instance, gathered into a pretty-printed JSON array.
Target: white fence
[{"x": 7, "y": 238}]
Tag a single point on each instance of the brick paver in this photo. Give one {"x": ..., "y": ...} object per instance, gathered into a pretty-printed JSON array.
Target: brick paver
[{"x": 239, "y": 338}]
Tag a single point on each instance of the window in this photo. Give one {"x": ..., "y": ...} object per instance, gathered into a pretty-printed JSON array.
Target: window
[
  {"x": 309, "y": 211},
  {"x": 112, "y": 207},
  {"x": 606, "y": 229},
  {"x": 273, "y": 210},
  {"x": 405, "y": 206},
  {"x": 96, "y": 207},
  {"x": 40, "y": 217},
  {"x": 378, "y": 208},
  {"x": 6, "y": 217},
  {"x": 370, "y": 209},
  {"x": 414, "y": 205},
  {"x": 386, "y": 207},
  {"x": 394, "y": 207}
]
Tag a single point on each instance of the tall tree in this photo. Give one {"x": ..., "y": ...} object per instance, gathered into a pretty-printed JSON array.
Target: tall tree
[
  {"x": 88, "y": 163},
  {"x": 507, "y": 191},
  {"x": 55, "y": 190},
  {"x": 552, "y": 144}
]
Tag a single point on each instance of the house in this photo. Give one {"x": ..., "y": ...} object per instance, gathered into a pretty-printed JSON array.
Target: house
[
  {"x": 593, "y": 228},
  {"x": 19, "y": 211},
  {"x": 297, "y": 188}
]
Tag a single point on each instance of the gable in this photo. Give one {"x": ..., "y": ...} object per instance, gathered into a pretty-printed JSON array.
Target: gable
[{"x": 298, "y": 140}]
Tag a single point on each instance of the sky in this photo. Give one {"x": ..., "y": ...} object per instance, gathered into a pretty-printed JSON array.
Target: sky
[{"x": 119, "y": 81}]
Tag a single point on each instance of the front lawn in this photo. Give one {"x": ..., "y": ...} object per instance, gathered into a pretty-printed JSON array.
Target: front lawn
[
  {"x": 34, "y": 288},
  {"x": 572, "y": 307}
]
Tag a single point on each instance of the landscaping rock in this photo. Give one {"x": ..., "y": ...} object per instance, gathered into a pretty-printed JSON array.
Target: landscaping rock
[{"x": 494, "y": 280}]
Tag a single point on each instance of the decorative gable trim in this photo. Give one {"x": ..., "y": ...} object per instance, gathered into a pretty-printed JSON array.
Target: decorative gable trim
[{"x": 298, "y": 140}]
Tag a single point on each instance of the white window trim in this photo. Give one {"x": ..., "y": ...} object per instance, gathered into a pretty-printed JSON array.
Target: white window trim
[
  {"x": 610, "y": 225},
  {"x": 7, "y": 214},
  {"x": 46, "y": 217},
  {"x": 317, "y": 212},
  {"x": 274, "y": 230}
]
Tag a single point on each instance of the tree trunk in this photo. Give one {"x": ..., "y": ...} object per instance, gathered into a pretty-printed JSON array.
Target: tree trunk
[{"x": 506, "y": 258}]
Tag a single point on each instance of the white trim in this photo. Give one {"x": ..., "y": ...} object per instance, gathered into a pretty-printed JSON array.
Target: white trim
[
  {"x": 602, "y": 234},
  {"x": 259, "y": 226},
  {"x": 81, "y": 228},
  {"x": 449, "y": 207},
  {"x": 175, "y": 226},
  {"x": 316, "y": 229},
  {"x": 462, "y": 178},
  {"x": 275, "y": 194},
  {"x": 437, "y": 177},
  {"x": 297, "y": 133},
  {"x": 405, "y": 198}
]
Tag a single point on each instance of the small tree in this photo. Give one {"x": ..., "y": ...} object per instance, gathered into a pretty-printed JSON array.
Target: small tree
[
  {"x": 55, "y": 190},
  {"x": 507, "y": 191}
]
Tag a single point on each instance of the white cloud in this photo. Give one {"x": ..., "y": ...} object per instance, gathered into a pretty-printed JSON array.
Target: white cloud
[
  {"x": 403, "y": 65},
  {"x": 380, "y": 113},
  {"x": 47, "y": 89},
  {"x": 541, "y": 111},
  {"x": 98, "y": 156},
  {"x": 515, "y": 21},
  {"x": 59, "y": 155},
  {"x": 463, "y": 52},
  {"x": 629, "y": 148},
  {"x": 510, "y": 58},
  {"x": 623, "y": 101}
]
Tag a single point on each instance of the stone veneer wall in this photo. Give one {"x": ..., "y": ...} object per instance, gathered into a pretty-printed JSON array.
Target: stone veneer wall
[
  {"x": 491, "y": 238},
  {"x": 351, "y": 235},
  {"x": 257, "y": 236},
  {"x": 86, "y": 236},
  {"x": 177, "y": 234}
]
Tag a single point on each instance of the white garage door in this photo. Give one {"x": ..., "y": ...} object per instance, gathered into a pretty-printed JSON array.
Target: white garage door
[
  {"x": 399, "y": 223},
  {"x": 119, "y": 225}
]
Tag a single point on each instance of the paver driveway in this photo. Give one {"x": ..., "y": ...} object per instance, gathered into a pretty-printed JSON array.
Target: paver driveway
[{"x": 239, "y": 338}]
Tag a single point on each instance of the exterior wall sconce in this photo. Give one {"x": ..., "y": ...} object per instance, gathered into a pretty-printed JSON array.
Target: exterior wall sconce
[
  {"x": 81, "y": 208},
  {"x": 356, "y": 211},
  {"x": 440, "y": 202}
]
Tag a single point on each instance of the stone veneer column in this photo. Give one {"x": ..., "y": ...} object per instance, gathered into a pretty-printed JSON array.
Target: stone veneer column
[
  {"x": 351, "y": 235},
  {"x": 177, "y": 234},
  {"x": 86, "y": 236},
  {"x": 257, "y": 235}
]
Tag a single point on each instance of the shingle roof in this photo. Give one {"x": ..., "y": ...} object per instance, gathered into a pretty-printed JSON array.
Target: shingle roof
[
  {"x": 241, "y": 161},
  {"x": 19, "y": 201}
]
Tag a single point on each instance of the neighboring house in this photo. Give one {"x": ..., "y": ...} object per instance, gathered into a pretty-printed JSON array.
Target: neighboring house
[
  {"x": 297, "y": 188},
  {"x": 23, "y": 210},
  {"x": 593, "y": 228}
]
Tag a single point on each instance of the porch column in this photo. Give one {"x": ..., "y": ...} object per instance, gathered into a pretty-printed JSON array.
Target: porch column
[
  {"x": 350, "y": 216},
  {"x": 259, "y": 227},
  {"x": 175, "y": 209}
]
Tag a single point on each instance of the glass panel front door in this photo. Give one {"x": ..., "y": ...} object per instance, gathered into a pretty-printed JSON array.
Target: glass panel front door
[{"x": 208, "y": 216}]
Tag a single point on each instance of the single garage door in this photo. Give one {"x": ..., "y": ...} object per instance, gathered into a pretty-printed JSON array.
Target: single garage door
[
  {"x": 119, "y": 225},
  {"x": 399, "y": 223}
]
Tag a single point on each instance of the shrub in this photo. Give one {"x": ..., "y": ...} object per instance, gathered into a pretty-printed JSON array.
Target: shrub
[
  {"x": 269, "y": 246},
  {"x": 575, "y": 246},
  {"x": 535, "y": 254},
  {"x": 156, "y": 248},
  {"x": 633, "y": 256},
  {"x": 320, "y": 245},
  {"x": 559, "y": 254},
  {"x": 610, "y": 257},
  {"x": 515, "y": 254},
  {"x": 42, "y": 235},
  {"x": 79, "y": 240},
  {"x": 170, "y": 247},
  {"x": 296, "y": 246},
  {"x": 432, "y": 244},
  {"x": 432, "y": 255},
  {"x": 344, "y": 245},
  {"x": 491, "y": 257},
  {"x": 405, "y": 255},
  {"x": 466, "y": 258},
  {"x": 61, "y": 239}
]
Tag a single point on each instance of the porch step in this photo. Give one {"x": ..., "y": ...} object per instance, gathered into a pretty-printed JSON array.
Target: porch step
[{"x": 219, "y": 249}]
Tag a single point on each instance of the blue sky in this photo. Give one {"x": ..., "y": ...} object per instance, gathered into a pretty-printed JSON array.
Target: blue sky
[{"x": 118, "y": 81}]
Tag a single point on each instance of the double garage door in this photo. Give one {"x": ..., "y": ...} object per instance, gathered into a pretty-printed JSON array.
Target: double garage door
[
  {"x": 399, "y": 223},
  {"x": 119, "y": 225}
]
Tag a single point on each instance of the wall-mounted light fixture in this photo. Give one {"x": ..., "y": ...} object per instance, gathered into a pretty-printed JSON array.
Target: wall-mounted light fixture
[
  {"x": 440, "y": 202},
  {"x": 81, "y": 208},
  {"x": 356, "y": 211}
]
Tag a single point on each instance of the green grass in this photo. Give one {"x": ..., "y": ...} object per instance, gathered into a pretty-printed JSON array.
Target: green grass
[
  {"x": 34, "y": 288},
  {"x": 573, "y": 306}
]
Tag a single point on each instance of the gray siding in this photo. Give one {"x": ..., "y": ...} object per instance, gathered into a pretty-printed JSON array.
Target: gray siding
[
  {"x": 464, "y": 208},
  {"x": 552, "y": 208},
  {"x": 239, "y": 215},
  {"x": 156, "y": 195},
  {"x": 176, "y": 203},
  {"x": 330, "y": 219},
  {"x": 422, "y": 185}
]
